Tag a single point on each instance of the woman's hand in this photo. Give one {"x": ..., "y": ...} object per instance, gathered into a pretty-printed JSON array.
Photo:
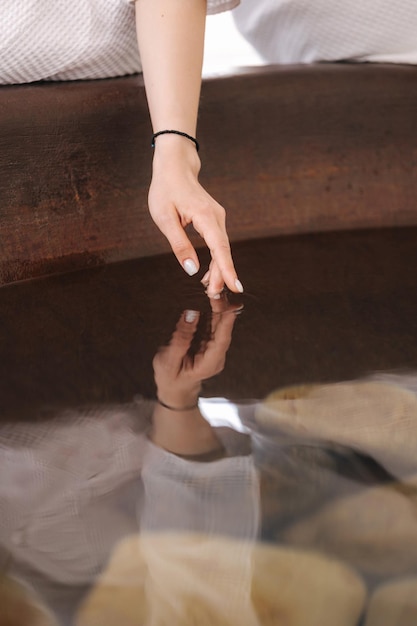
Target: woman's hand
[
  {"x": 171, "y": 43},
  {"x": 176, "y": 199}
]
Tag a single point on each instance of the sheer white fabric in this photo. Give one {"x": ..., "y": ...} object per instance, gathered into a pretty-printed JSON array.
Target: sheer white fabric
[
  {"x": 59, "y": 40},
  {"x": 64, "y": 485},
  {"x": 72, "y": 487},
  {"x": 187, "y": 507},
  {"x": 220, "y": 498}
]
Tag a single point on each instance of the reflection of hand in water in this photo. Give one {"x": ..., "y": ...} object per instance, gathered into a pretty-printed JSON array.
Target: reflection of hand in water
[
  {"x": 178, "y": 425},
  {"x": 178, "y": 373},
  {"x": 195, "y": 560}
]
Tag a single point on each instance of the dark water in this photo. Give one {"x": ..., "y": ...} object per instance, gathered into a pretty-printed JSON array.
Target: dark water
[{"x": 287, "y": 497}]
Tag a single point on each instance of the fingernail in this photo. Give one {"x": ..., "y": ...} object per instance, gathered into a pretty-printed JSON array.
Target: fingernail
[
  {"x": 190, "y": 267},
  {"x": 239, "y": 285},
  {"x": 190, "y": 316},
  {"x": 216, "y": 296}
]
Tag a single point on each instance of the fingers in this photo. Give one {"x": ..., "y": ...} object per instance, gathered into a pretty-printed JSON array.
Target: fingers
[
  {"x": 174, "y": 366},
  {"x": 215, "y": 283},
  {"x": 171, "y": 227},
  {"x": 173, "y": 355},
  {"x": 211, "y": 361},
  {"x": 206, "y": 279},
  {"x": 183, "y": 335},
  {"x": 222, "y": 270},
  {"x": 175, "y": 202},
  {"x": 222, "y": 305},
  {"x": 217, "y": 276}
]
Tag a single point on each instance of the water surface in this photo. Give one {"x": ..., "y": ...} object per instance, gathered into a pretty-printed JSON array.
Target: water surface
[{"x": 286, "y": 497}]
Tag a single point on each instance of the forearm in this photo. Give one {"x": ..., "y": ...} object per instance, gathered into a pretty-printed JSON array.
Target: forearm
[
  {"x": 184, "y": 433},
  {"x": 171, "y": 45}
]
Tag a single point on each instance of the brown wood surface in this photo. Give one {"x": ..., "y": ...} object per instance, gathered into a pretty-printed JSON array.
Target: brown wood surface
[{"x": 285, "y": 149}]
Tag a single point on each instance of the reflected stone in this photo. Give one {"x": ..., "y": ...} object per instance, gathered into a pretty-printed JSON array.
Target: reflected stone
[
  {"x": 375, "y": 530},
  {"x": 295, "y": 480},
  {"x": 20, "y": 606},
  {"x": 376, "y": 418},
  {"x": 394, "y": 604},
  {"x": 197, "y": 580}
]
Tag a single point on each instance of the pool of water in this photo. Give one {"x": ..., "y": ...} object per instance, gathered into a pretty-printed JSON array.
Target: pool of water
[{"x": 282, "y": 488}]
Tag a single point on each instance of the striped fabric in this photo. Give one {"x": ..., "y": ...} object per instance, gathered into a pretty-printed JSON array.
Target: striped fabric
[{"x": 81, "y": 39}]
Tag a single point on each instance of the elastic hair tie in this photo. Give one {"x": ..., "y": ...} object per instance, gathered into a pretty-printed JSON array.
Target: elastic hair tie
[
  {"x": 189, "y": 407},
  {"x": 175, "y": 132}
]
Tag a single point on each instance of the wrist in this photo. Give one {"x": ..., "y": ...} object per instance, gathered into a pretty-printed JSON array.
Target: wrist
[
  {"x": 175, "y": 149},
  {"x": 179, "y": 133},
  {"x": 179, "y": 397},
  {"x": 177, "y": 408}
]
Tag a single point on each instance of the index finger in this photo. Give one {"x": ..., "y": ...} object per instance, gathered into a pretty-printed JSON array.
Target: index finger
[
  {"x": 176, "y": 351},
  {"x": 211, "y": 361},
  {"x": 217, "y": 241}
]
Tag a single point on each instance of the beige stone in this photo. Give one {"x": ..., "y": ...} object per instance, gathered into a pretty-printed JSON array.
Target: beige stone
[
  {"x": 300, "y": 588},
  {"x": 394, "y": 604},
  {"x": 375, "y": 418},
  {"x": 195, "y": 580},
  {"x": 374, "y": 530}
]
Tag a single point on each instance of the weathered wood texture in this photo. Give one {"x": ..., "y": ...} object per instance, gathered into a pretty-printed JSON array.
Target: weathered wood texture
[{"x": 285, "y": 149}]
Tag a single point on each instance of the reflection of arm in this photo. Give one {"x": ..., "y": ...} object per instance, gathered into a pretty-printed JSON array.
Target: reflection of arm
[
  {"x": 184, "y": 433},
  {"x": 178, "y": 425}
]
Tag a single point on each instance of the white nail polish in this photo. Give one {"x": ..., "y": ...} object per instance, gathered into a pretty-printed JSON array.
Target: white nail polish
[
  {"x": 239, "y": 285},
  {"x": 190, "y": 267},
  {"x": 190, "y": 316}
]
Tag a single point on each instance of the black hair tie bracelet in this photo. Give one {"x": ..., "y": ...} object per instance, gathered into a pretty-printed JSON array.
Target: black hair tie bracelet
[
  {"x": 175, "y": 132},
  {"x": 189, "y": 407}
]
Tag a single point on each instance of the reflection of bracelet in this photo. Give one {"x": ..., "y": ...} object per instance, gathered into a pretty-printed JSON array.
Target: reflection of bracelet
[{"x": 189, "y": 407}]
